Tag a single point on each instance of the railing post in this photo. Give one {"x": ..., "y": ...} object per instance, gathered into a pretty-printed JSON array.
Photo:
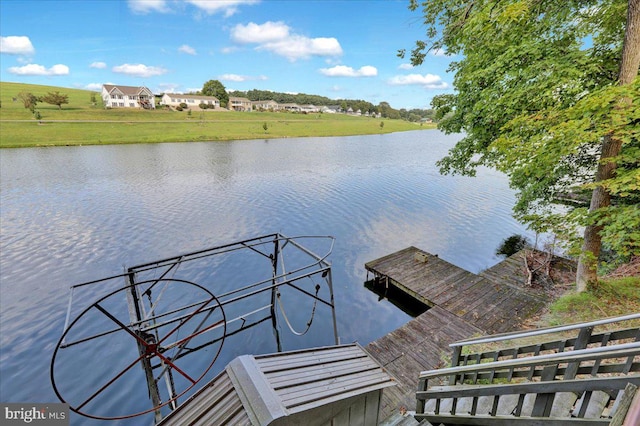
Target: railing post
[
  {"x": 455, "y": 361},
  {"x": 544, "y": 401},
  {"x": 581, "y": 343},
  {"x": 627, "y": 367},
  {"x": 420, "y": 403}
]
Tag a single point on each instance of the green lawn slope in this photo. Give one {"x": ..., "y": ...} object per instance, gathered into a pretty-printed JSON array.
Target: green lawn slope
[{"x": 81, "y": 122}]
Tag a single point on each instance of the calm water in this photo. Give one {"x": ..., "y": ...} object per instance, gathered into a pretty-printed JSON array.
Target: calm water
[{"x": 72, "y": 214}]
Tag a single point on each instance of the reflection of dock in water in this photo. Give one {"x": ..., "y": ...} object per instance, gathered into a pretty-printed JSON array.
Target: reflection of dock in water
[
  {"x": 397, "y": 297},
  {"x": 461, "y": 304}
]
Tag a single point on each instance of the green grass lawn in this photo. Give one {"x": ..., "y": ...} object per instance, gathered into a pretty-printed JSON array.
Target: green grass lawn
[
  {"x": 82, "y": 123},
  {"x": 608, "y": 298}
]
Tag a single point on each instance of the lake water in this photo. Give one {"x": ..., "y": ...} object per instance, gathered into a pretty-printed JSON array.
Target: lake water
[{"x": 72, "y": 214}]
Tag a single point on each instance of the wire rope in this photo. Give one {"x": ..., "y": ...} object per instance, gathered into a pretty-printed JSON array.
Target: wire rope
[{"x": 286, "y": 319}]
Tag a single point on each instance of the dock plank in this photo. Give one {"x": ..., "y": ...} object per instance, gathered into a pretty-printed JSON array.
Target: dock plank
[
  {"x": 418, "y": 273},
  {"x": 421, "y": 344}
]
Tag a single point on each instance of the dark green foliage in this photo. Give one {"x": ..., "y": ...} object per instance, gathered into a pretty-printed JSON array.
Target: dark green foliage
[
  {"x": 511, "y": 245},
  {"x": 217, "y": 89}
]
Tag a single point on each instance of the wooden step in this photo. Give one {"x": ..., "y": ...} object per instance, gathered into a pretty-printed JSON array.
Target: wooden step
[{"x": 598, "y": 400}]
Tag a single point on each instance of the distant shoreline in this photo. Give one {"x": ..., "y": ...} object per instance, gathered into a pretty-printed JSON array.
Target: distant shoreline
[
  {"x": 82, "y": 122},
  {"x": 50, "y": 133}
]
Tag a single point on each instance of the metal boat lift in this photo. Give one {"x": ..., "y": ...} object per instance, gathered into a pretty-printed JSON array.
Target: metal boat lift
[{"x": 156, "y": 315}]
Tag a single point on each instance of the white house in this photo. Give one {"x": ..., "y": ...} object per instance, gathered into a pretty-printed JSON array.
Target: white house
[
  {"x": 127, "y": 97},
  {"x": 269, "y": 105},
  {"x": 290, "y": 107},
  {"x": 239, "y": 104},
  {"x": 309, "y": 108},
  {"x": 192, "y": 101}
]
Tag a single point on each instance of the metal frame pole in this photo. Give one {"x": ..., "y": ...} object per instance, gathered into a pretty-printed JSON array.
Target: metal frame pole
[
  {"x": 274, "y": 291},
  {"x": 135, "y": 315}
]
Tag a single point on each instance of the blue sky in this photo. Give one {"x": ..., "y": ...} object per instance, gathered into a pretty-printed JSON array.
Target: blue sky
[{"x": 339, "y": 49}]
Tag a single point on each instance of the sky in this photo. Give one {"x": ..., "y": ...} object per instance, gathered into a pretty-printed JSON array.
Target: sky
[{"x": 341, "y": 49}]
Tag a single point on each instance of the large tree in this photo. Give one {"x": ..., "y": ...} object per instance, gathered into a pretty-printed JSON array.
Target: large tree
[
  {"x": 548, "y": 92},
  {"x": 217, "y": 89},
  {"x": 29, "y": 100},
  {"x": 56, "y": 98}
]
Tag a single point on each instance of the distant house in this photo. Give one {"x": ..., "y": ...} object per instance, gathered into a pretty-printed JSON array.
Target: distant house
[
  {"x": 269, "y": 105},
  {"x": 192, "y": 101},
  {"x": 239, "y": 104},
  {"x": 127, "y": 97},
  {"x": 309, "y": 108},
  {"x": 290, "y": 107},
  {"x": 331, "y": 109}
]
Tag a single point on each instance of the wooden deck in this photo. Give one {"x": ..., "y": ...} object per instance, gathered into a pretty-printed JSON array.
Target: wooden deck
[
  {"x": 419, "y": 274},
  {"x": 462, "y": 304},
  {"x": 421, "y": 344}
]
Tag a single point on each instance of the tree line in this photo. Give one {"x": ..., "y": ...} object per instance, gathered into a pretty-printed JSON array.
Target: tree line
[{"x": 217, "y": 89}]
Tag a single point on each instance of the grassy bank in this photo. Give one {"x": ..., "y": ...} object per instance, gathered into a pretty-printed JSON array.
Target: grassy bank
[
  {"x": 608, "y": 298},
  {"x": 82, "y": 123},
  {"x": 611, "y": 297}
]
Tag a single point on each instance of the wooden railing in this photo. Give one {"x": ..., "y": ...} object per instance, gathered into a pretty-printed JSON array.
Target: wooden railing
[
  {"x": 541, "y": 383},
  {"x": 583, "y": 338}
]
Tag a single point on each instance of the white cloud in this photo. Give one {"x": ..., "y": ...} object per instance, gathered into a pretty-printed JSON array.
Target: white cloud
[
  {"x": 98, "y": 65},
  {"x": 264, "y": 33},
  {"x": 139, "y": 70},
  {"x": 300, "y": 47},
  {"x": 240, "y": 78},
  {"x": 226, "y": 7},
  {"x": 35, "y": 69},
  {"x": 185, "y": 48},
  {"x": 232, "y": 77},
  {"x": 229, "y": 49},
  {"x": 169, "y": 88},
  {"x": 93, "y": 86},
  {"x": 405, "y": 67},
  {"x": 345, "y": 71},
  {"x": 16, "y": 45},
  {"x": 428, "y": 81},
  {"x": 276, "y": 37},
  {"x": 146, "y": 6}
]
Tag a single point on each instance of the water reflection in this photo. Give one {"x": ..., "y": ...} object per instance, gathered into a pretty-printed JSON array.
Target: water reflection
[{"x": 398, "y": 298}]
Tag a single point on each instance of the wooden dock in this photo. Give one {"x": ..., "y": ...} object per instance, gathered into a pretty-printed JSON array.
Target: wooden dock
[
  {"x": 463, "y": 304},
  {"x": 420, "y": 344}
]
